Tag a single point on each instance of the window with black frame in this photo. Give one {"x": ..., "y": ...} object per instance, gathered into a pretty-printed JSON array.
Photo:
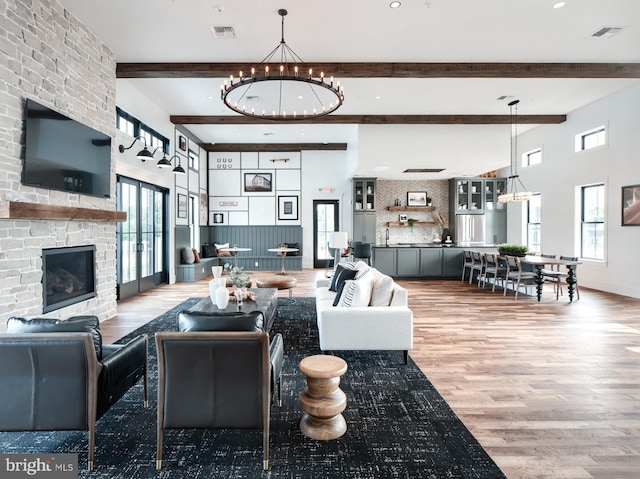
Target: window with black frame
[{"x": 593, "y": 201}]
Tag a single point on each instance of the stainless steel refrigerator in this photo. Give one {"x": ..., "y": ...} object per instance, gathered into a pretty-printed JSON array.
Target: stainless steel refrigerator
[{"x": 470, "y": 230}]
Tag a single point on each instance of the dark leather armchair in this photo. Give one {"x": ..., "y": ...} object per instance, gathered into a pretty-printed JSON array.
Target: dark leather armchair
[
  {"x": 189, "y": 321},
  {"x": 217, "y": 379},
  {"x": 57, "y": 375}
]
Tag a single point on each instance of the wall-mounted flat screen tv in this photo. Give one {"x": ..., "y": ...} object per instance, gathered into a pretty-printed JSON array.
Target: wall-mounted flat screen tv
[{"x": 63, "y": 154}]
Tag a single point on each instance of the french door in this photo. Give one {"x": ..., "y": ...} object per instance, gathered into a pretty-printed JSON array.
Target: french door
[
  {"x": 142, "y": 242},
  {"x": 325, "y": 221}
]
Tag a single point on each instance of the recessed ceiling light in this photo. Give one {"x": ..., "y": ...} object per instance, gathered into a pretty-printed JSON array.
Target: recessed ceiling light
[
  {"x": 300, "y": 97},
  {"x": 395, "y": 4},
  {"x": 378, "y": 97},
  {"x": 559, "y": 4}
]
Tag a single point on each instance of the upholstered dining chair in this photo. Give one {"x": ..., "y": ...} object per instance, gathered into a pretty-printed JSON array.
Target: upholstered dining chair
[
  {"x": 467, "y": 262},
  {"x": 557, "y": 276},
  {"x": 57, "y": 375},
  {"x": 477, "y": 266},
  {"x": 362, "y": 251},
  {"x": 218, "y": 379},
  {"x": 493, "y": 269},
  {"x": 517, "y": 276}
]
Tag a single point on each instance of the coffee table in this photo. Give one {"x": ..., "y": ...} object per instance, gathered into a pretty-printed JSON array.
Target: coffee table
[{"x": 266, "y": 302}]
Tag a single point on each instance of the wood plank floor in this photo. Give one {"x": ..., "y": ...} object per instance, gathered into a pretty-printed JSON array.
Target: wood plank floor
[{"x": 550, "y": 389}]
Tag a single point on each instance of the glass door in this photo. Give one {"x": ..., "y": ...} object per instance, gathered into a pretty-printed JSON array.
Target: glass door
[
  {"x": 141, "y": 241},
  {"x": 325, "y": 222}
]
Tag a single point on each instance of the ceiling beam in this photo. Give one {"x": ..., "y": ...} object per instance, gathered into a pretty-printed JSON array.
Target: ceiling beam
[
  {"x": 393, "y": 70},
  {"x": 371, "y": 120},
  {"x": 270, "y": 147}
]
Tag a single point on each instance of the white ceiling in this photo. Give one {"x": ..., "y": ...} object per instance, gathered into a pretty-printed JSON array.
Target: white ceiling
[{"x": 370, "y": 31}]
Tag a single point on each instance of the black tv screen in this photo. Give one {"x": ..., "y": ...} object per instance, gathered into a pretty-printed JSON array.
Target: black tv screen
[{"x": 63, "y": 154}]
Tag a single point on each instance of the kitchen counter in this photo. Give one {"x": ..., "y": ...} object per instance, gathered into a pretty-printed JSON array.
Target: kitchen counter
[{"x": 421, "y": 260}]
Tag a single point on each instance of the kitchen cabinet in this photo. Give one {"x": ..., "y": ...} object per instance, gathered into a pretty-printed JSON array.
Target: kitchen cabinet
[
  {"x": 468, "y": 195},
  {"x": 431, "y": 262},
  {"x": 384, "y": 260},
  {"x": 408, "y": 262},
  {"x": 364, "y": 205},
  {"x": 492, "y": 189},
  {"x": 452, "y": 263}
]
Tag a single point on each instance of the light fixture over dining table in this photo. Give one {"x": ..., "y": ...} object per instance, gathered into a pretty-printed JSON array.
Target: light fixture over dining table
[
  {"x": 294, "y": 91},
  {"x": 515, "y": 190}
]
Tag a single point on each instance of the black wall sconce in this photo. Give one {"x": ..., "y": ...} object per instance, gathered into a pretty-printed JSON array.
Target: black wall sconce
[{"x": 143, "y": 154}]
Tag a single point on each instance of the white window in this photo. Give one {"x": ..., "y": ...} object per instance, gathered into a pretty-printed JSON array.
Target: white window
[
  {"x": 591, "y": 139},
  {"x": 194, "y": 160},
  {"x": 533, "y": 223},
  {"x": 592, "y": 215},
  {"x": 532, "y": 157}
]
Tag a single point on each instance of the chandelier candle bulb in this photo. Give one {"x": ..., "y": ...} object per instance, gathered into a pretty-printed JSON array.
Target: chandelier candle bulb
[{"x": 296, "y": 70}]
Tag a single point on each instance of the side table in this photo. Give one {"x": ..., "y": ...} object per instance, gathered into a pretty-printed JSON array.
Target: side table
[{"x": 323, "y": 401}]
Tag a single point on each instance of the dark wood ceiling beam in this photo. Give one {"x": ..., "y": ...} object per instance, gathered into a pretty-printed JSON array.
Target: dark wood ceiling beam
[
  {"x": 394, "y": 70},
  {"x": 372, "y": 120},
  {"x": 265, "y": 147}
]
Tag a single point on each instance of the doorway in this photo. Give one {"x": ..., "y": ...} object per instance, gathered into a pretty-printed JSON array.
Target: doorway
[
  {"x": 326, "y": 220},
  {"x": 141, "y": 241}
]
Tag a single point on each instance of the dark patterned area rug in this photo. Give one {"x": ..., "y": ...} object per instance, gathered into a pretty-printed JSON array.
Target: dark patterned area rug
[{"x": 398, "y": 426}]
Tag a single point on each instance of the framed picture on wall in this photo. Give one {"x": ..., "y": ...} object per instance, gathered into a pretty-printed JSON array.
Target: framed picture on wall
[
  {"x": 287, "y": 207},
  {"x": 257, "y": 182},
  {"x": 631, "y": 205},
  {"x": 182, "y": 205},
  {"x": 416, "y": 198},
  {"x": 218, "y": 218},
  {"x": 182, "y": 143}
]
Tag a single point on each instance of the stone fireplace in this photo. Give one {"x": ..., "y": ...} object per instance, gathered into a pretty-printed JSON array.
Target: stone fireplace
[{"x": 68, "y": 276}]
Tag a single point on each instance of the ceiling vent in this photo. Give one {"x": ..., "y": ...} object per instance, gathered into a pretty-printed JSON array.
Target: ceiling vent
[
  {"x": 223, "y": 33},
  {"x": 252, "y": 98},
  {"x": 607, "y": 32},
  {"x": 423, "y": 170}
]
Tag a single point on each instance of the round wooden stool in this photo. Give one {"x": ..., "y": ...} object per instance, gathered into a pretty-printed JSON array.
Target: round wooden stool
[
  {"x": 323, "y": 401},
  {"x": 279, "y": 282}
]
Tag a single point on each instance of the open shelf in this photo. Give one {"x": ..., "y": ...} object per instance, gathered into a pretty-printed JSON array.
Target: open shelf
[
  {"x": 415, "y": 223},
  {"x": 411, "y": 208},
  {"x": 36, "y": 211}
]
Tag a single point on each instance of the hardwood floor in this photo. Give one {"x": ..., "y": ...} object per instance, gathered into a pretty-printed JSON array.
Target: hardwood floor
[{"x": 550, "y": 389}]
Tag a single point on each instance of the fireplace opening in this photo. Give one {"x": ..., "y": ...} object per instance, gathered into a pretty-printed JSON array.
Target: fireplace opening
[{"x": 69, "y": 276}]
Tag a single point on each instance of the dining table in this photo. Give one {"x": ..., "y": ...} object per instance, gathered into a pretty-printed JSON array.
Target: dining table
[
  {"x": 235, "y": 250},
  {"x": 539, "y": 262},
  {"x": 282, "y": 252}
]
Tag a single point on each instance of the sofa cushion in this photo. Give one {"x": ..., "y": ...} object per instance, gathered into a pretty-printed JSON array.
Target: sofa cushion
[
  {"x": 209, "y": 251},
  {"x": 356, "y": 293},
  {"x": 295, "y": 246},
  {"x": 196, "y": 256},
  {"x": 340, "y": 275},
  {"x": 187, "y": 256},
  {"x": 75, "y": 324},
  {"x": 381, "y": 290},
  {"x": 220, "y": 247}
]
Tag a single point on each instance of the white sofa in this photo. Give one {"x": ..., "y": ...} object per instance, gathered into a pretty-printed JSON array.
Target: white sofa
[{"x": 387, "y": 327}]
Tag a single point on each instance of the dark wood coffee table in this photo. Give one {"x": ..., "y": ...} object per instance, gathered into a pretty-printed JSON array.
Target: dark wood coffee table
[{"x": 266, "y": 302}]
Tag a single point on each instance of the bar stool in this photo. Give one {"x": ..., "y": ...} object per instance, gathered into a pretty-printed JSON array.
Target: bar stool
[{"x": 467, "y": 262}]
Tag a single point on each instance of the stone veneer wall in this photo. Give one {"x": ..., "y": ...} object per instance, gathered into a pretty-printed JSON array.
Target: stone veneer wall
[
  {"x": 390, "y": 190},
  {"x": 47, "y": 55}
]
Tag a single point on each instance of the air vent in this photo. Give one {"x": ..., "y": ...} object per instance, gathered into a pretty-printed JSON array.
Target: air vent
[
  {"x": 223, "y": 33},
  {"x": 504, "y": 97},
  {"x": 423, "y": 170},
  {"x": 252, "y": 98},
  {"x": 607, "y": 32}
]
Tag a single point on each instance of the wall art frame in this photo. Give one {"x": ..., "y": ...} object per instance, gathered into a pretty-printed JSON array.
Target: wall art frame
[
  {"x": 631, "y": 205},
  {"x": 288, "y": 208},
  {"x": 416, "y": 198}
]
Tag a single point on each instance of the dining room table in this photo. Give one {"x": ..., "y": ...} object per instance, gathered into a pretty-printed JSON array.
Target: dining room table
[
  {"x": 282, "y": 252},
  {"x": 539, "y": 262},
  {"x": 235, "y": 250}
]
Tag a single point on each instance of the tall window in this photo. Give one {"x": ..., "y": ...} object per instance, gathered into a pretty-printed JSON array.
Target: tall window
[
  {"x": 593, "y": 207},
  {"x": 532, "y": 157},
  {"x": 194, "y": 160},
  {"x": 533, "y": 223},
  {"x": 591, "y": 139}
]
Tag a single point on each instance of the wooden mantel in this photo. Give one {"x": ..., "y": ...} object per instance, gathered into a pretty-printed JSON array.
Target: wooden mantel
[{"x": 37, "y": 211}]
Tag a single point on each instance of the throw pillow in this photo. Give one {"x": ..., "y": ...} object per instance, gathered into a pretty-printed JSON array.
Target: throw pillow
[
  {"x": 382, "y": 290},
  {"x": 341, "y": 288},
  {"x": 222, "y": 246},
  {"x": 293, "y": 245},
  {"x": 209, "y": 251},
  {"x": 196, "y": 256},
  {"x": 75, "y": 324},
  {"x": 187, "y": 256},
  {"x": 340, "y": 275},
  {"x": 356, "y": 293}
]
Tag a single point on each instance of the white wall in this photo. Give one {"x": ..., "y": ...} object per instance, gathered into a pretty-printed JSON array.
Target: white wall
[{"x": 563, "y": 171}]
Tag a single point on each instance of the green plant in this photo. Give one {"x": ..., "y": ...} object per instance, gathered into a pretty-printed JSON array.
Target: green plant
[
  {"x": 512, "y": 249},
  {"x": 411, "y": 222},
  {"x": 239, "y": 279}
]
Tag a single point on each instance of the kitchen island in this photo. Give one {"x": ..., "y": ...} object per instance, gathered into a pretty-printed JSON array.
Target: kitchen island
[{"x": 421, "y": 260}]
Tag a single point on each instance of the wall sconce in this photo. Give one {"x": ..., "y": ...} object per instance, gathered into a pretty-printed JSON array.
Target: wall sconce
[
  {"x": 164, "y": 162},
  {"x": 178, "y": 170},
  {"x": 143, "y": 154}
]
